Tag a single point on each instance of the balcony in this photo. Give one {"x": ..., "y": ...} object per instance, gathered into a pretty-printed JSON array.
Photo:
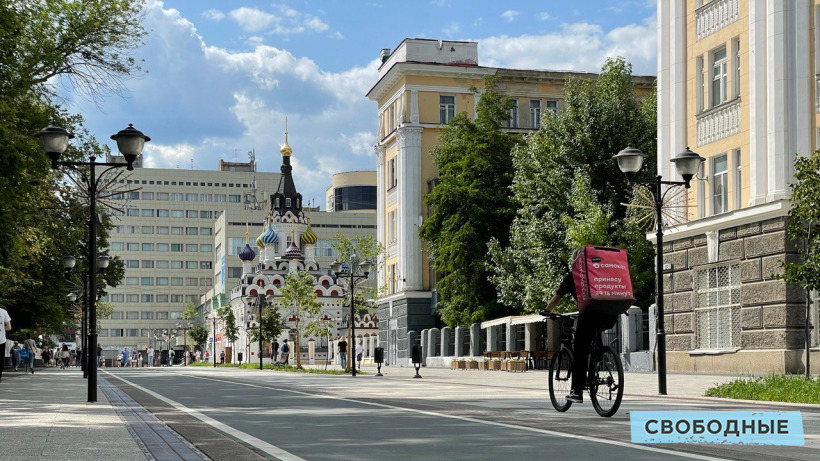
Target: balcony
[
  {"x": 715, "y": 15},
  {"x": 718, "y": 123}
]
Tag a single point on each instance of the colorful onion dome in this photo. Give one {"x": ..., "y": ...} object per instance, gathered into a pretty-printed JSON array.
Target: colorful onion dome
[
  {"x": 247, "y": 254},
  {"x": 309, "y": 237},
  {"x": 293, "y": 252},
  {"x": 270, "y": 236},
  {"x": 259, "y": 243},
  {"x": 286, "y": 150}
]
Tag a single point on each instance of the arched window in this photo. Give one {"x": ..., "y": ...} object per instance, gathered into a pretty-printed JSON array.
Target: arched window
[
  {"x": 276, "y": 204},
  {"x": 287, "y": 202}
]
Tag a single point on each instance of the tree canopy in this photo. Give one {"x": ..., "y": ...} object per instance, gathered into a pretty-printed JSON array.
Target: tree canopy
[{"x": 470, "y": 205}]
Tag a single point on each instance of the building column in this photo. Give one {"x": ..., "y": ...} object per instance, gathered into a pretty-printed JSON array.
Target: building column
[
  {"x": 678, "y": 140},
  {"x": 380, "y": 210},
  {"x": 757, "y": 102},
  {"x": 780, "y": 85},
  {"x": 409, "y": 216}
]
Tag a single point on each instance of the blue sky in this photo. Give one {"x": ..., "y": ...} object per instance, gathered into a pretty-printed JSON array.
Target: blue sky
[{"x": 222, "y": 75}]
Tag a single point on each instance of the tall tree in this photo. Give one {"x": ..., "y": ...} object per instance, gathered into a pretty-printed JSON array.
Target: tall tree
[
  {"x": 299, "y": 297},
  {"x": 470, "y": 205},
  {"x": 230, "y": 329},
  {"x": 802, "y": 227},
  {"x": 601, "y": 116}
]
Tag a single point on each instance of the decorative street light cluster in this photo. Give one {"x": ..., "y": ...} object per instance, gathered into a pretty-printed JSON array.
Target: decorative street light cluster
[
  {"x": 258, "y": 300},
  {"x": 68, "y": 263},
  {"x": 687, "y": 163},
  {"x": 130, "y": 142},
  {"x": 353, "y": 267},
  {"x": 184, "y": 329}
]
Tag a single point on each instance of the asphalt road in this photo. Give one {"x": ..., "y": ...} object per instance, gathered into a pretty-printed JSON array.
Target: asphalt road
[{"x": 321, "y": 417}]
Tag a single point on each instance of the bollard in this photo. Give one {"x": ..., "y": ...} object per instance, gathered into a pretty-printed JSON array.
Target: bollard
[
  {"x": 417, "y": 359},
  {"x": 378, "y": 357}
]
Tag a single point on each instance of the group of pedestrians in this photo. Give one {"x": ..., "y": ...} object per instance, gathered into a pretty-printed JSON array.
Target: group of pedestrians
[{"x": 342, "y": 346}]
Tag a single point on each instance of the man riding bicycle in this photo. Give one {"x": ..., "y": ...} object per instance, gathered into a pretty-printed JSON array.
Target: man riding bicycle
[{"x": 589, "y": 324}]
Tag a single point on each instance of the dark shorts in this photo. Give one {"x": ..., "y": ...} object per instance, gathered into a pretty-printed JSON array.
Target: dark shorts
[{"x": 359, "y": 357}]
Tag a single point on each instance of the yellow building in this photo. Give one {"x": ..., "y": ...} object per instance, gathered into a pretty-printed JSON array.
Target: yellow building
[
  {"x": 422, "y": 85},
  {"x": 736, "y": 83}
]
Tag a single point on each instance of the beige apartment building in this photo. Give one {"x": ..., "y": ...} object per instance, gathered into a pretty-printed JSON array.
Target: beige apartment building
[
  {"x": 737, "y": 83},
  {"x": 422, "y": 84}
]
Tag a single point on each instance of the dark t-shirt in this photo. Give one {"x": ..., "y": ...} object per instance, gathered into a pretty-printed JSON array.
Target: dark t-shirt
[
  {"x": 567, "y": 286},
  {"x": 599, "y": 322},
  {"x": 342, "y": 346}
]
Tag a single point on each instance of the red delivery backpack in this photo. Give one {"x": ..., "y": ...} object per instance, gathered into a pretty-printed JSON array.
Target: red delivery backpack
[{"x": 602, "y": 282}]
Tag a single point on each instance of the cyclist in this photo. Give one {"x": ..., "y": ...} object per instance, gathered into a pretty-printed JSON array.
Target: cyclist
[{"x": 589, "y": 324}]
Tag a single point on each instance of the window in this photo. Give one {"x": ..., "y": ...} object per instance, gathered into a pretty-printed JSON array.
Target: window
[
  {"x": 324, "y": 248},
  {"x": 132, "y": 264},
  {"x": 191, "y": 299},
  {"x": 176, "y": 315},
  {"x": 191, "y": 231},
  {"x": 162, "y": 230},
  {"x": 117, "y": 246},
  {"x": 535, "y": 113},
  {"x": 147, "y": 212},
  {"x": 144, "y": 332},
  {"x": 512, "y": 121},
  {"x": 699, "y": 84},
  {"x": 132, "y": 315},
  {"x": 163, "y": 213},
  {"x": 162, "y": 298},
  {"x": 116, "y": 315},
  {"x": 552, "y": 106},
  {"x": 276, "y": 202},
  {"x": 118, "y": 229},
  {"x": 206, "y": 248},
  {"x": 117, "y": 298},
  {"x": 235, "y": 245},
  {"x": 162, "y": 195},
  {"x": 234, "y": 198},
  {"x": 719, "y": 77},
  {"x": 206, "y": 214},
  {"x": 717, "y": 315},
  {"x": 147, "y": 315},
  {"x": 206, "y": 231},
  {"x": 133, "y": 247},
  {"x": 146, "y": 264},
  {"x": 132, "y": 229},
  {"x": 147, "y": 229},
  {"x": 161, "y": 315},
  {"x": 177, "y": 213},
  {"x": 206, "y": 197},
  {"x": 133, "y": 212},
  {"x": 116, "y": 332},
  {"x": 391, "y": 118},
  {"x": 148, "y": 196},
  {"x": 148, "y": 281},
  {"x": 133, "y": 195},
  {"x": 736, "y": 68},
  {"x": 177, "y": 230},
  {"x": 132, "y": 281},
  {"x": 103, "y": 332},
  {"x": 736, "y": 187},
  {"x": 147, "y": 247},
  {"x": 133, "y": 332},
  {"x": 391, "y": 226},
  {"x": 191, "y": 247},
  {"x": 176, "y": 264},
  {"x": 177, "y": 196},
  {"x": 446, "y": 109},
  {"x": 206, "y": 265},
  {"x": 205, "y": 282},
  {"x": 191, "y": 265},
  {"x": 720, "y": 184},
  {"x": 191, "y": 214},
  {"x": 116, "y": 212},
  {"x": 191, "y": 197},
  {"x": 220, "y": 198},
  {"x": 163, "y": 264},
  {"x": 234, "y": 272},
  {"x": 175, "y": 299},
  {"x": 132, "y": 298},
  {"x": 191, "y": 281},
  {"x": 162, "y": 281},
  {"x": 287, "y": 202},
  {"x": 176, "y": 247},
  {"x": 163, "y": 247},
  {"x": 176, "y": 281},
  {"x": 392, "y": 179}
]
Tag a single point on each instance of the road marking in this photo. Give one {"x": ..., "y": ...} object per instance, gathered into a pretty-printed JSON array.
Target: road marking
[
  {"x": 237, "y": 434},
  {"x": 442, "y": 415}
]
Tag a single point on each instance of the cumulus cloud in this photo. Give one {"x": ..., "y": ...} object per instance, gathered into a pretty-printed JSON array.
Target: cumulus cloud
[
  {"x": 360, "y": 143},
  {"x": 285, "y": 20},
  {"x": 336, "y": 35},
  {"x": 544, "y": 16},
  {"x": 578, "y": 46},
  {"x": 509, "y": 15},
  {"x": 213, "y": 15},
  {"x": 252, "y": 19}
]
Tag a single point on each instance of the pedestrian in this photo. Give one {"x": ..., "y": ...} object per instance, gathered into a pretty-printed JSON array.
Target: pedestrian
[
  {"x": 30, "y": 346},
  {"x": 207, "y": 356},
  {"x": 285, "y": 351},
  {"x": 6, "y": 321},
  {"x": 171, "y": 356},
  {"x": 150, "y": 356},
  {"x": 134, "y": 356},
  {"x": 46, "y": 356},
  {"x": 100, "y": 361},
  {"x": 139, "y": 360},
  {"x": 274, "y": 350},
  {"x": 198, "y": 355},
  {"x": 359, "y": 351},
  {"x": 64, "y": 356},
  {"x": 123, "y": 357},
  {"x": 187, "y": 357},
  {"x": 343, "y": 353},
  {"x": 15, "y": 355},
  {"x": 78, "y": 357}
]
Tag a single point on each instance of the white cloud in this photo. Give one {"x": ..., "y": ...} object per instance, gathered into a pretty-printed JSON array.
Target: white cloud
[
  {"x": 544, "y": 16},
  {"x": 336, "y": 35},
  {"x": 252, "y": 19},
  {"x": 316, "y": 24},
  {"x": 360, "y": 143},
  {"x": 579, "y": 46},
  {"x": 213, "y": 15},
  {"x": 169, "y": 156},
  {"x": 509, "y": 15},
  {"x": 452, "y": 29}
]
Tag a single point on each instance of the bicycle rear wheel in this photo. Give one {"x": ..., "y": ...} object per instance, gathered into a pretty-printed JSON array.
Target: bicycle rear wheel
[
  {"x": 560, "y": 380},
  {"x": 607, "y": 388}
]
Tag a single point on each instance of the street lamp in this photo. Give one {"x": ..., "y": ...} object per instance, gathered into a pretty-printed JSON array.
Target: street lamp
[
  {"x": 68, "y": 263},
  {"x": 54, "y": 141},
  {"x": 258, "y": 300},
  {"x": 214, "y": 318},
  {"x": 184, "y": 341},
  {"x": 687, "y": 163},
  {"x": 353, "y": 267}
]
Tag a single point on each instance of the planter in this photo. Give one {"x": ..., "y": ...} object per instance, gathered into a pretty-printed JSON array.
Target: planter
[
  {"x": 472, "y": 365},
  {"x": 495, "y": 365},
  {"x": 459, "y": 365},
  {"x": 484, "y": 365},
  {"x": 517, "y": 366}
]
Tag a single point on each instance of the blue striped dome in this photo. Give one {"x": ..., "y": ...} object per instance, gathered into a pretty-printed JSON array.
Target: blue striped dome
[
  {"x": 247, "y": 254},
  {"x": 270, "y": 237}
]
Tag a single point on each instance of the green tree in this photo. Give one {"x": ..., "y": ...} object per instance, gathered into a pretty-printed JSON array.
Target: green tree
[
  {"x": 190, "y": 312},
  {"x": 571, "y": 154},
  {"x": 470, "y": 205},
  {"x": 801, "y": 227},
  {"x": 272, "y": 325},
  {"x": 199, "y": 335},
  {"x": 230, "y": 329},
  {"x": 299, "y": 297}
]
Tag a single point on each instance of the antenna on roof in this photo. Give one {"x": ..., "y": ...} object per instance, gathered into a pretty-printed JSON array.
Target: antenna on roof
[{"x": 192, "y": 163}]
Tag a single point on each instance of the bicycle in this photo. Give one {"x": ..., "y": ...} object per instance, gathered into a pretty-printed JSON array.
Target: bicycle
[{"x": 605, "y": 373}]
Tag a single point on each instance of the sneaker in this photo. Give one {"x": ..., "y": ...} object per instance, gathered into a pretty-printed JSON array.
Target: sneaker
[{"x": 576, "y": 398}]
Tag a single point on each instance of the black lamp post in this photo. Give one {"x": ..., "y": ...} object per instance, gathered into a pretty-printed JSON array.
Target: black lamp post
[
  {"x": 130, "y": 142},
  {"x": 68, "y": 263},
  {"x": 687, "y": 163},
  {"x": 259, "y": 301},
  {"x": 214, "y": 318},
  {"x": 184, "y": 341},
  {"x": 353, "y": 267}
]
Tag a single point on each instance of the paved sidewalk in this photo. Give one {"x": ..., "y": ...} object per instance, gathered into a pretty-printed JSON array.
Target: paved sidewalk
[{"x": 45, "y": 416}]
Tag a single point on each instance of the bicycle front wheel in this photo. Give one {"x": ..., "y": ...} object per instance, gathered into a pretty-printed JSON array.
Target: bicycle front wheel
[
  {"x": 607, "y": 387},
  {"x": 560, "y": 380}
]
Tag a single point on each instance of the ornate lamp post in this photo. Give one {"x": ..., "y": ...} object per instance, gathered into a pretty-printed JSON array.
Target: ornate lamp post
[
  {"x": 184, "y": 329},
  {"x": 687, "y": 163},
  {"x": 353, "y": 267},
  {"x": 258, "y": 300},
  {"x": 130, "y": 142},
  {"x": 68, "y": 263}
]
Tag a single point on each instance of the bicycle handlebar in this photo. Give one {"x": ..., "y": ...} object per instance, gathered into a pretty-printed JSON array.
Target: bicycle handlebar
[{"x": 557, "y": 316}]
